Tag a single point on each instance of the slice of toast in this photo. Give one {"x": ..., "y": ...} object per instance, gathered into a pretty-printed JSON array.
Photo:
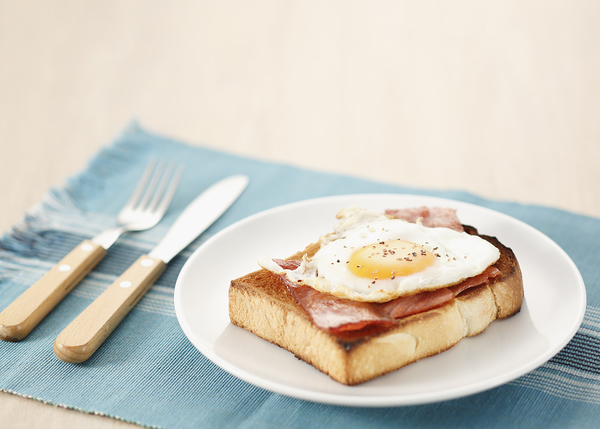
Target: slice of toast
[{"x": 260, "y": 303}]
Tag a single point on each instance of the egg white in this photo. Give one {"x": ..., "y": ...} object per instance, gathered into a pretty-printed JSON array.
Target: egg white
[{"x": 458, "y": 256}]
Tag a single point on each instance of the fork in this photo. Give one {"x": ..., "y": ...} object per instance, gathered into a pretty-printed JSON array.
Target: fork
[{"x": 144, "y": 209}]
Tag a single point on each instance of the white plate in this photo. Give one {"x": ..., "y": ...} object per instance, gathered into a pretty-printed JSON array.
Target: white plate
[{"x": 506, "y": 350}]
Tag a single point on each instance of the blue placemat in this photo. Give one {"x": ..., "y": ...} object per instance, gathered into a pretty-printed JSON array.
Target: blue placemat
[{"x": 148, "y": 373}]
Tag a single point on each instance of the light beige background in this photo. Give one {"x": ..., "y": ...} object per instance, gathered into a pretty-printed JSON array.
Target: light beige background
[{"x": 498, "y": 98}]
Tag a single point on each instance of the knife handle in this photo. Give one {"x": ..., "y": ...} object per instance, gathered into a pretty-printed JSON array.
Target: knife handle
[
  {"x": 24, "y": 313},
  {"x": 78, "y": 341}
]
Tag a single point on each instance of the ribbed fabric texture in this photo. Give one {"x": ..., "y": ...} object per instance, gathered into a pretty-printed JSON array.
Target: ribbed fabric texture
[{"x": 147, "y": 372}]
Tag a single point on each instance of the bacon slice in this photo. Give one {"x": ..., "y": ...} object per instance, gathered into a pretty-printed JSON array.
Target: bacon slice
[
  {"x": 418, "y": 303},
  {"x": 431, "y": 217},
  {"x": 287, "y": 264},
  {"x": 424, "y": 301},
  {"x": 486, "y": 277},
  {"x": 335, "y": 314},
  {"x": 339, "y": 315}
]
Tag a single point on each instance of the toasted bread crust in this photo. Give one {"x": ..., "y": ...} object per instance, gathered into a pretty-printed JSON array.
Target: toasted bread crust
[{"x": 260, "y": 303}]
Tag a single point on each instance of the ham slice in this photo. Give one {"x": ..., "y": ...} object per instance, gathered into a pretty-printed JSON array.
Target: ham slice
[{"x": 432, "y": 217}]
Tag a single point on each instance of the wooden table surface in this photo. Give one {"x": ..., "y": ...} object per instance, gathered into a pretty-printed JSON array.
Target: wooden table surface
[{"x": 499, "y": 99}]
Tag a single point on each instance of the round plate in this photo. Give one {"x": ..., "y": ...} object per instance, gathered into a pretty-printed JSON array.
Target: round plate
[{"x": 506, "y": 350}]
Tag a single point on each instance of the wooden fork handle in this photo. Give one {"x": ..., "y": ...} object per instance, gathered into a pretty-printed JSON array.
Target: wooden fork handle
[
  {"x": 24, "y": 313},
  {"x": 78, "y": 341}
]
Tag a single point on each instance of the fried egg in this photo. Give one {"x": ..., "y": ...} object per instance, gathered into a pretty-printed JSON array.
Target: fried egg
[{"x": 371, "y": 257}]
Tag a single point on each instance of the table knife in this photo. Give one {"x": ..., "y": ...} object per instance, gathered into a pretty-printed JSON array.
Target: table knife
[{"x": 82, "y": 337}]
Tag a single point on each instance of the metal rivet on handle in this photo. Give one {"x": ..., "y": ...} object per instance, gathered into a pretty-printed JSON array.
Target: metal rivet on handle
[
  {"x": 125, "y": 284},
  {"x": 86, "y": 247},
  {"x": 147, "y": 262},
  {"x": 64, "y": 268}
]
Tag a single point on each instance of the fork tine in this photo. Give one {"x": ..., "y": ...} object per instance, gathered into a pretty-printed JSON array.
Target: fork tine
[
  {"x": 170, "y": 192},
  {"x": 161, "y": 186},
  {"x": 141, "y": 185},
  {"x": 156, "y": 175}
]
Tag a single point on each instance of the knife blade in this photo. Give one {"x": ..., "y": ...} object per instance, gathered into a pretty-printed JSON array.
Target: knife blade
[{"x": 82, "y": 337}]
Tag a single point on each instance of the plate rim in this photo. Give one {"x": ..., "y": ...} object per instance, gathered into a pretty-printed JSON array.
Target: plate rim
[{"x": 376, "y": 401}]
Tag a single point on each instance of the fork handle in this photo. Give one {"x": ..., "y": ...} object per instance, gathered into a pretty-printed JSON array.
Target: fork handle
[
  {"x": 24, "y": 313},
  {"x": 82, "y": 337}
]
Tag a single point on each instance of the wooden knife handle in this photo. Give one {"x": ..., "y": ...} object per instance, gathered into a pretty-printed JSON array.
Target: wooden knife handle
[
  {"x": 24, "y": 313},
  {"x": 78, "y": 341}
]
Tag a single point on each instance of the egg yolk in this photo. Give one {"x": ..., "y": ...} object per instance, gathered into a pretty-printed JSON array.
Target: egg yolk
[{"x": 389, "y": 259}]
